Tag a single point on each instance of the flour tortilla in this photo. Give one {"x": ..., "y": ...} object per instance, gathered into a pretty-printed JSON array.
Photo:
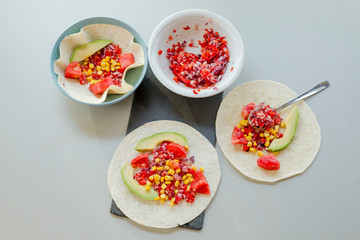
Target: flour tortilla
[
  {"x": 153, "y": 213},
  {"x": 295, "y": 159},
  {"x": 88, "y": 34}
]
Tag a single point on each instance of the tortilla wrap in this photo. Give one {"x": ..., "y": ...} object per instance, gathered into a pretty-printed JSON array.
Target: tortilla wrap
[
  {"x": 294, "y": 159},
  {"x": 88, "y": 34},
  {"x": 153, "y": 213}
]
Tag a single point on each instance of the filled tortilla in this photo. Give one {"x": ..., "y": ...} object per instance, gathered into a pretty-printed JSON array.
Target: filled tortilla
[
  {"x": 294, "y": 159},
  {"x": 153, "y": 213},
  {"x": 89, "y": 33}
]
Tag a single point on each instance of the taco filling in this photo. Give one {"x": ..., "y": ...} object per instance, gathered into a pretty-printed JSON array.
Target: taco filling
[
  {"x": 169, "y": 170},
  {"x": 102, "y": 69}
]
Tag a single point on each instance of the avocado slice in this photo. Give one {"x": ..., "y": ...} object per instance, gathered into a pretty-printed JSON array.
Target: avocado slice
[
  {"x": 149, "y": 143},
  {"x": 86, "y": 50},
  {"x": 127, "y": 173},
  {"x": 291, "y": 123}
]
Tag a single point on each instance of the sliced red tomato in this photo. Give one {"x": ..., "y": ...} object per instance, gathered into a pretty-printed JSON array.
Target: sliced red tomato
[
  {"x": 200, "y": 184},
  {"x": 177, "y": 150},
  {"x": 238, "y": 136},
  {"x": 101, "y": 86},
  {"x": 247, "y": 110},
  {"x": 204, "y": 189},
  {"x": 140, "y": 161},
  {"x": 126, "y": 60},
  {"x": 269, "y": 162},
  {"x": 73, "y": 70}
]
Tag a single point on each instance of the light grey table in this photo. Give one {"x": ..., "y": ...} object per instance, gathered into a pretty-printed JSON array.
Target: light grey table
[{"x": 55, "y": 152}]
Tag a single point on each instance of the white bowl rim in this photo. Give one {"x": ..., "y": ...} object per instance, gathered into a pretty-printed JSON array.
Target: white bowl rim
[{"x": 220, "y": 86}]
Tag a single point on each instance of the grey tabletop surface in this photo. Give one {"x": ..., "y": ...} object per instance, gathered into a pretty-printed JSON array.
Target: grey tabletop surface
[{"x": 55, "y": 152}]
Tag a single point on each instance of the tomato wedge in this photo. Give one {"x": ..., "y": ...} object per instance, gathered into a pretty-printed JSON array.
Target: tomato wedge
[
  {"x": 177, "y": 150},
  {"x": 73, "y": 70},
  {"x": 101, "y": 86},
  {"x": 269, "y": 162},
  {"x": 237, "y": 136},
  {"x": 247, "y": 110},
  {"x": 126, "y": 60},
  {"x": 140, "y": 161},
  {"x": 200, "y": 184}
]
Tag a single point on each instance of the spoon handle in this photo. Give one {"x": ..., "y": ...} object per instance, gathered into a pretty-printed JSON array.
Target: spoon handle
[{"x": 318, "y": 88}]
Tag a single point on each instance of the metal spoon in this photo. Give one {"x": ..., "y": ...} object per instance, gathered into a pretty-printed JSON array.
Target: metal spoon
[{"x": 318, "y": 88}]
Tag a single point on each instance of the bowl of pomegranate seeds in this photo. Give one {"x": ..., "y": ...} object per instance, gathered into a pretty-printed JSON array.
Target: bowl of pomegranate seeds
[{"x": 196, "y": 53}]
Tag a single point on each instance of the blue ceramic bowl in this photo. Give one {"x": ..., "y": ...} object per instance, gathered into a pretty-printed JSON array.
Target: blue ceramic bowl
[{"x": 134, "y": 76}]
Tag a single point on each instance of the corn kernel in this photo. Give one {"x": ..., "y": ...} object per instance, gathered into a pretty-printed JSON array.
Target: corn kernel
[
  {"x": 157, "y": 160},
  {"x": 189, "y": 175},
  {"x": 167, "y": 168},
  {"x": 162, "y": 201},
  {"x": 157, "y": 182},
  {"x": 98, "y": 68},
  {"x": 250, "y": 134},
  {"x": 171, "y": 172},
  {"x": 252, "y": 149},
  {"x": 151, "y": 178},
  {"x": 267, "y": 144},
  {"x": 266, "y": 134},
  {"x": 163, "y": 186},
  {"x": 186, "y": 181},
  {"x": 282, "y": 124},
  {"x": 176, "y": 191},
  {"x": 188, "y": 188},
  {"x": 163, "y": 196},
  {"x": 172, "y": 204},
  {"x": 99, "y": 72},
  {"x": 254, "y": 144},
  {"x": 177, "y": 183},
  {"x": 249, "y": 144},
  {"x": 107, "y": 58},
  {"x": 157, "y": 198},
  {"x": 276, "y": 128},
  {"x": 162, "y": 191},
  {"x": 91, "y": 65},
  {"x": 147, "y": 188},
  {"x": 194, "y": 168},
  {"x": 160, "y": 168},
  {"x": 168, "y": 178},
  {"x": 162, "y": 179},
  {"x": 112, "y": 68},
  {"x": 178, "y": 170},
  {"x": 117, "y": 67},
  {"x": 89, "y": 78},
  {"x": 201, "y": 169},
  {"x": 113, "y": 61},
  {"x": 167, "y": 182},
  {"x": 153, "y": 168},
  {"x": 156, "y": 176},
  {"x": 176, "y": 160},
  {"x": 271, "y": 137},
  {"x": 172, "y": 199},
  {"x": 167, "y": 162},
  {"x": 102, "y": 64},
  {"x": 262, "y": 135},
  {"x": 190, "y": 180},
  {"x": 275, "y": 153},
  {"x": 260, "y": 153},
  {"x": 184, "y": 177}
]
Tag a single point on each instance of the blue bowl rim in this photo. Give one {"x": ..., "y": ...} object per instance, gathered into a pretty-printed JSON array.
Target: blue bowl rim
[{"x": 74, "y": 28}]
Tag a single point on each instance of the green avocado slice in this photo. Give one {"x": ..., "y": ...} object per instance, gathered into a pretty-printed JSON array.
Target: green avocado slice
[
  {"x": 86, "y": 50},
  {"x": 149, "y": 143},
  {"x": 291, "y": 123},
  {"x": 127, "y": 173}
]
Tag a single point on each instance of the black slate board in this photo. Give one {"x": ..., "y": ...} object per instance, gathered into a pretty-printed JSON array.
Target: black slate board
[{"x": 152, "y": 102}]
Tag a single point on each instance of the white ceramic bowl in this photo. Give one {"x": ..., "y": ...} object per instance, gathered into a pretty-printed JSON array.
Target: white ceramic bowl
[{"x": 203, "y": 19}]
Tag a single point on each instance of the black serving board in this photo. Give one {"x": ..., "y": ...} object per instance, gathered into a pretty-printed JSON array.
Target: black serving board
[{"x": 152, "y": 102}]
